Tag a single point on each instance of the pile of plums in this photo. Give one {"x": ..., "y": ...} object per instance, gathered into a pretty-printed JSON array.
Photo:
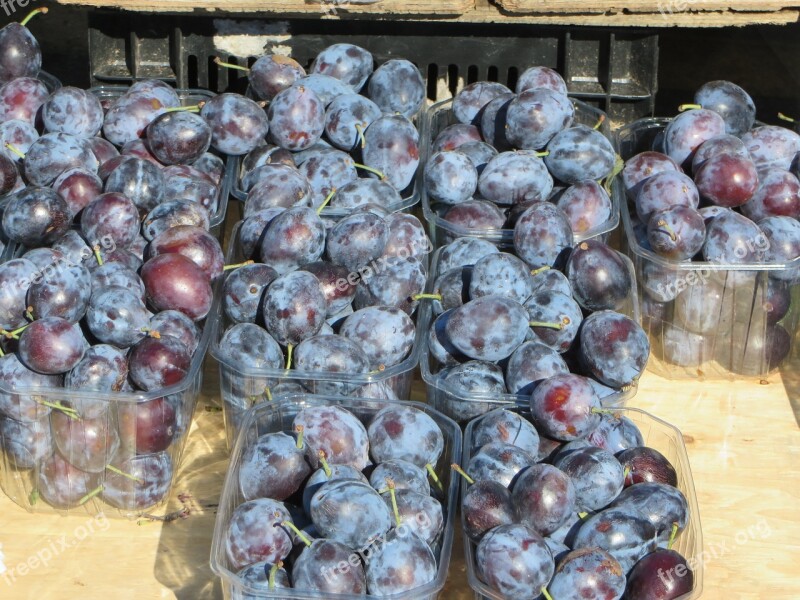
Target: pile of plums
[
  {"x": 339, "y": 504},
  {"x": 93, "y": 318},
  {"x": 337, "y": 126},
  {"x": 572, "y": 503},
  {"x": 720, "y": 189},
  {"x": 507, "y": 150},
  {"x": 336, "y": 304},
  {"x": 152, "y": 150},
  {"x": 504, "y": 323}
]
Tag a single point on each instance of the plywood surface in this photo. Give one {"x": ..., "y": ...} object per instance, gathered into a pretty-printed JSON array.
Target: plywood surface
[
  {"x": 743, "y": 442},
  {"x": 621, "y": 13}
]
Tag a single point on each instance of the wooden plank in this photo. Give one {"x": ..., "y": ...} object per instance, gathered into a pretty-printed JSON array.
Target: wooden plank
[
  {"x": 479, "y": 11},
  {"x": 743, "y": 442},
  {"x": 665, "y": 7},
  {"x": 291, "y": 7}
]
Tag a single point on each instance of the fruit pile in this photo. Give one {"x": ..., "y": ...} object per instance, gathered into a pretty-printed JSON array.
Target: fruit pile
[
  {"x": 508, "y": 150},
  {"x": 336, "y": 305},
  {"x": 103, "y": 304},
  {"x": 740, "y": 207},
  {"x": 329, "y": 123},
  {"x": 339, "y": 503},
  {"x": 575, "y": 508},
  {"x": 504, "y": 325}
]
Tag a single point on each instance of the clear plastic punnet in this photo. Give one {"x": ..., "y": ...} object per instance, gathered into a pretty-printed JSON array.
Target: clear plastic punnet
[
  {"x": 278, "y": 416},
  {"x": 439, "y": 116},
  {"x": 704, "y": 319},
  {"x": 658, "y": 435}
]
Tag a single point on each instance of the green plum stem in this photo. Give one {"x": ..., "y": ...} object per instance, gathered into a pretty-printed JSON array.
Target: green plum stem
[
  {"x": 543, "y": 153},
  {"x": 114, "y": 469},
  {"x": 672, "y": 536},
  {"x": 34, "y": 497},
  {"x": 324, "y": 462},
  {"x": 236, "y": 266},
  {"x": 688, "y": 106},
  {"x": 70, "y": 412},
  {"x": 90, "y": 495},
  {"x": 786, "y": 118},
  {"x": 15, "y": 150},
  {"x": 397, "y": 519},
  {"x": 305, "y": 539},
  {"x": 299, "y": 429},
  {"x": 600, "y": 122},
  {"x": 546, "y": 594},
  {"x": 2, "y": 353},
  {"x": 289, "y": 350},
  {"x": 619, "y": 164},
  {"x": 457, "y": 468},
  {"x": 434, "y": 477},
  {"x": 603, "y": 411},
  {"x": 32, "y": 14},
  {"x": 540, "y": 270},
  {"x": 330, "y": 195},
  {"x": 268, "y": 394},
  {"x": 219, "y": 61},
  {"x": 546, "y": 324},
  {"x": 191, "y": 108},
  {"x": 273, "y": 573},
  {"x": 582, "y": 515},
  {"x": 360, "y": 130},
  {"x": 97, "y": 256},
  {"x": 371, "y": 170},
  {"x": 625, "y": 473},
  {"x": 29, "y": 313},
  {"x": 426, "y": 297}
]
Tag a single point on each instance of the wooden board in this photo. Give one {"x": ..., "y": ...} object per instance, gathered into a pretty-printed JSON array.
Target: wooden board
[
  {"x": 320, "y": 8},
  {"x": 743, "y": 442},
  {"x": 656, "y": 7},
  {"x": 627, "y": 13}
]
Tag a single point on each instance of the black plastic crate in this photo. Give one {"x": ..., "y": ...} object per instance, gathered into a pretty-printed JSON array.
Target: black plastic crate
[{"x": 614, "y": 70}]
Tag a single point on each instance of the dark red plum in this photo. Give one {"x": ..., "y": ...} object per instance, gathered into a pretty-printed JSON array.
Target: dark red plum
[
  {"x": 486, "y": 505},
  {"x": 273, "y": 73},
  {"x": 731, "y": 102},
  {"x": 554, "y": 318},
  {"x": 543, "y": 498},
  {"x": 397, "y": 283},
  {"x": 25, "y": 443},
  {"x": 599, "y": 275},
  {"x": 530, "y": 363},
  {"x": 147, "y": 427},
  {"x": 453, "y": 136},
  {"x": 464, "y": 251},
  {"x": 641, "y": 167},
  {"x": 157, "y": 363},
  {"x": 778, "y": 195},
  {"x": 140, "y": 180},
  {"x": 295, "y": 237},
  {"x": 537, "y": 77},
  {"x": 21, "y": 98},
  {"x": 176, "y": 324},
  {"x": 578, "y": 153},
  {"x": 665, "y": 190},
  {"x": 347, "y": 117},
  {"x": 51, "y": 345},
  {"x": 727, "y": 180},
  {"x": 78, "y": 187},
  {"x": 663, "y": 574},
  {"x": 586, "y": 205},
  {"x": 677, "y": 233},
  {"x": 613, "y": 348},
  {"x": 296, "y": 118},
  {"x": 74, "y": 111},
  {"x": 772, "y": 146},
  {"x": 564, "y": 407},
  {"x": 647, "y": 465},
  {"x": 475, "y": 215},
  {"x": 471, "y": 100},
  {"x": 515, "y": 178},
  {"x": 488, "y": 328},
  {"x": 450, "y": 177},
  {"x": 596, "y": 474},
  {"x": 36, "y": 216},
  {"x": 404, "y": 476},
  {"x": 503, "y": 274},
  {"x": 174, "y": 282},
  {"x": 323, "y": 567},
  {"x": 615, "y": 433},
  {"x": 663, "y": 505},
  {"x": 195, "y": 243}
]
